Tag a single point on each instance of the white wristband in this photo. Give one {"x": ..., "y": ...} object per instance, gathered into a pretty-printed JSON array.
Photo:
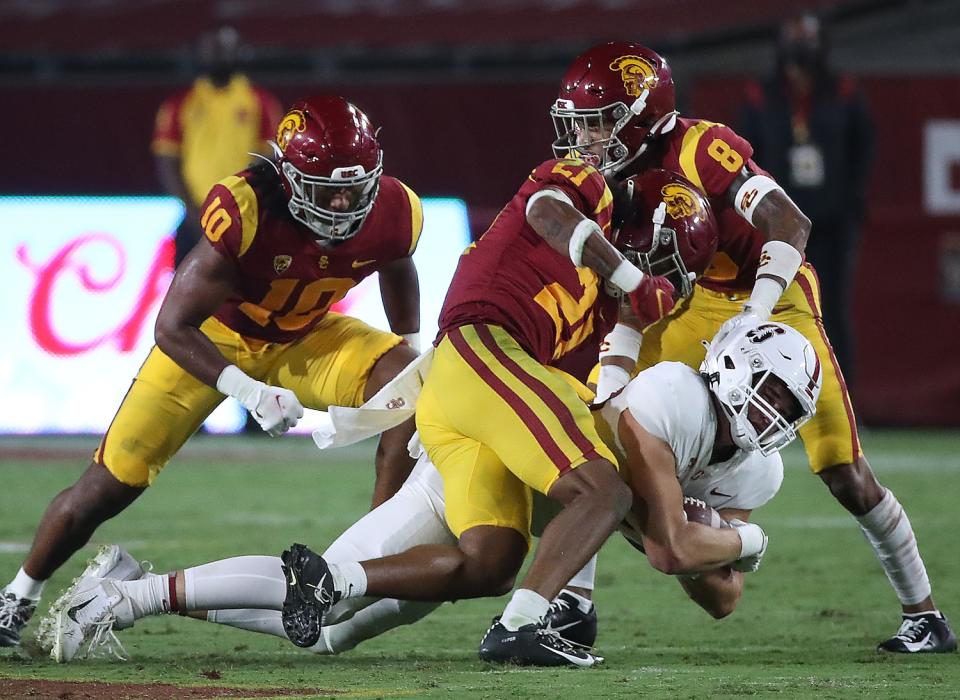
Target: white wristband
[
  {"x": 627, "y": 277},
  {"x": 779, "y": 259},
  {"x": 751, "y": 193},
  {"x": 578, "y": 239},
  {"x": 611, "y": 378},
  {"x": 622, "y": 341},
  {"x": 765, "y": 294},
  {"x": 751, "y": 539},
  {"x": 413, "y": 339},
  {"x": 234, "y": 382}
]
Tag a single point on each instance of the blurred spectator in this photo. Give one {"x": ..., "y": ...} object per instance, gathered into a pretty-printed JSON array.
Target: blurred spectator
[
  {"x": 812, "y": 130},
  {"x": 207, "y": 132}
]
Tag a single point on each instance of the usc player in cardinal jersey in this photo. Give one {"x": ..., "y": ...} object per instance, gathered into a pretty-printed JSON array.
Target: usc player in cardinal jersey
[
  {"x": 248, "y": 315},
  {"x": 616, "y": 108}
]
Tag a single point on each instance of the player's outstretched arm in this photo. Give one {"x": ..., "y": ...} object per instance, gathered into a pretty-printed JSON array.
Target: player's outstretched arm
[
  {"x": 400, "y": 292},
  {"x": 762, "y": 202},
  {"x": 202, "y": 283},
  {"x": 717, "y": 591},
  {"x": 571, "y": 233},
  {"x": 673, "y": 545}
]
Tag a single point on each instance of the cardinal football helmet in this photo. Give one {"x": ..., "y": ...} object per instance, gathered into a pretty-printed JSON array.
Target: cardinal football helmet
[
  {"x": 739, "y": 372},
  {"x": 330, "y": 164},
  {"x": 668, "y": 228},
  {"x": 613, "y": 101}
]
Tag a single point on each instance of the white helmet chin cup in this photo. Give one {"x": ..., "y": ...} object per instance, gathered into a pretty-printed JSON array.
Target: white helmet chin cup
[{"x": 738, "y": 369}]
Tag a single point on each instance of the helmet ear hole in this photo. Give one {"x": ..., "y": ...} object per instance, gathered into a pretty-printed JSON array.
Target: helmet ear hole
[{"x": 728, "y": 362}]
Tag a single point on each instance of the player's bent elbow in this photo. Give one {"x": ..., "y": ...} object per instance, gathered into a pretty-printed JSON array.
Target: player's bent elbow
[
  {"x": 667, "y": 560},
  {"x": 719, "y": 609}
]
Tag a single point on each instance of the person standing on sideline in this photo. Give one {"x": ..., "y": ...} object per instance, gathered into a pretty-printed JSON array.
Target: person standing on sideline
[
  {"x": 811, "y": 129},
  {"x": 206, "y": 132}
]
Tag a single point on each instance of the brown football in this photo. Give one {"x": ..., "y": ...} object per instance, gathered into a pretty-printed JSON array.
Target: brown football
[{"x": 699, "y": 512}]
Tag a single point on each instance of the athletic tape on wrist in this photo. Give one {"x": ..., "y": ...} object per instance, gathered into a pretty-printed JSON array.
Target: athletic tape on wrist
[
  {"x": 611, "y": 378},
  {"x": 751, "y": 193},
  {"x": 622, "y": 341},
  {"x": 578, "y": 239},
  {"x": 413, "y": 339},
  {"x": 626, "y": 277}
]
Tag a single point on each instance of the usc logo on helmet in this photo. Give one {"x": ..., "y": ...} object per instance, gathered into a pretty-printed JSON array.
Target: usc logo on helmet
[
  {"x": 294, "y": 121},
  {"x": 680, "y": 200},
  {"x": 636, "y": 72}
]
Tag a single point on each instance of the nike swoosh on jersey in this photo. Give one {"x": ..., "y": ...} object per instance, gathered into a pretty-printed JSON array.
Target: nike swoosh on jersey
[
  {"x": 72, "y": 612},
  {"x": 714, "y": 492},
  {"x": 917, "y": 646},
  {"x": 360, "y": 263}
]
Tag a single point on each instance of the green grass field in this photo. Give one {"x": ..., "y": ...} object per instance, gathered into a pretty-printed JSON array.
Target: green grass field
[{"x": 807, "y": 624}]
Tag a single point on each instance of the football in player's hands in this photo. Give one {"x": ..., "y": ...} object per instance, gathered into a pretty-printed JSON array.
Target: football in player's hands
[{"x": 699, "y": 512}]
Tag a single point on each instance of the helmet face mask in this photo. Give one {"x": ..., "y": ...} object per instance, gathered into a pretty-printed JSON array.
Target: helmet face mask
[
  {"x": 767, "y": 380},
  {"x": 330, "y": 164},
  {"x": 614, "y": 100},
  {"x": 311, "y": 197},
  {"x": 667, "y": 227}
]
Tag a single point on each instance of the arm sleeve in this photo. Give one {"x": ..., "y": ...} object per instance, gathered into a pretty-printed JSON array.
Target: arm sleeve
[
  {"x": 711, "y": 157},
  {"x": 583, "y": 185},
  {"x": 416, "y": 219},
  {"x": 228, "y": 217}
]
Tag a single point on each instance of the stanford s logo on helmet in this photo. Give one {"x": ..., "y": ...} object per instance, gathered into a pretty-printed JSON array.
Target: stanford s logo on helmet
[
  {"x": 330, "y": 164},
  {"x": 668, "y": 227},
  {"x": 614, "y": 99}
]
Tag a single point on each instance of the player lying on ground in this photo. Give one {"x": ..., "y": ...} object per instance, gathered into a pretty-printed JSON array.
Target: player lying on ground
[
  {"x": 616, "y": 108},
  {"x": 247, "y": 315},
  {"x": 677, "y": 432}
]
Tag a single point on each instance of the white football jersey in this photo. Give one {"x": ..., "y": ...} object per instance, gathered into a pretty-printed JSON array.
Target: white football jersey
[{"x": 672, "y": 402}]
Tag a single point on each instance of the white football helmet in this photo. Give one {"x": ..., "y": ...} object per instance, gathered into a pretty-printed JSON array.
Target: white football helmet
[{"x": 737, "y": 370}]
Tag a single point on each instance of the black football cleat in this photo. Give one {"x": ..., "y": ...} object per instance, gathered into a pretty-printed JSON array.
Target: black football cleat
[
  {"x": 310, "y": 594},
  {"x": 921, "y": 633},
  {"x": 15, "y": 613},
  {"x": 567, "y": 619},
  {"x": 532, "y": 645}
]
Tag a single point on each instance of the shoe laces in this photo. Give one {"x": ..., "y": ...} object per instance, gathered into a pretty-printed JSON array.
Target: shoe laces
[
  {"x": 104, "y": 642},
  {"x": 559, "y": 605},
  {"x": 554, "y": 639},
  {"x": 14, "y": 612},
  {"x": 912, "y": 629}
]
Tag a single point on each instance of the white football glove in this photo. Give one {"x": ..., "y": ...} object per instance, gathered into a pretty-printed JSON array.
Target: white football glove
[
  {"x": 747, "y": 316},
  {"x": 753, "y": 545},
  {"x": 274, "y": 408}
]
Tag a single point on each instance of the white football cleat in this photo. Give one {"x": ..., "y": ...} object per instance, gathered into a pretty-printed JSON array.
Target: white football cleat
[
  {"x": 86, "y": 624},
  {"x": 110, "y": 561}
]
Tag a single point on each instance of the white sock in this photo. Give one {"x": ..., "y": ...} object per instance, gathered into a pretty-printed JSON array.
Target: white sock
[
  {"x": 525, "y": 607},
  {"x": 584, "y": 604},
  {"x": 585, "y": 577},
  {"x": 371, "y": 621},
  {"x": 235, "y": 583},
  {"x": 888, "y": 530},
  {"x": 263, "y": 621},
  {"x": 25, "y": 586},
  {"x": 349, "y": 578},
  {"x": 148, "y": 596}
]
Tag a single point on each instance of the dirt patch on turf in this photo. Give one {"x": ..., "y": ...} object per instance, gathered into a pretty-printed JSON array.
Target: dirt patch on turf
[{"x": 82, "y": 690}]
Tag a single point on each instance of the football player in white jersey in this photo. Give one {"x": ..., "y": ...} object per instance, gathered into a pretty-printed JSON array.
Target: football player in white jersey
[{"x": 714, "y": 436}]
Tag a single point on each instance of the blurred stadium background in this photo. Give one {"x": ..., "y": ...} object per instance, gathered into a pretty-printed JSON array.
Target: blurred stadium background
[{"x": 462, "y": 90}]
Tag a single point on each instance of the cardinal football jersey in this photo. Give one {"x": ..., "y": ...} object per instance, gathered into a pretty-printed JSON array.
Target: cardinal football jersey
[
  {"x": 288, "y": 281},
  {"x": 513, "y": 278},
  {"x": 711, "y": 156}
]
